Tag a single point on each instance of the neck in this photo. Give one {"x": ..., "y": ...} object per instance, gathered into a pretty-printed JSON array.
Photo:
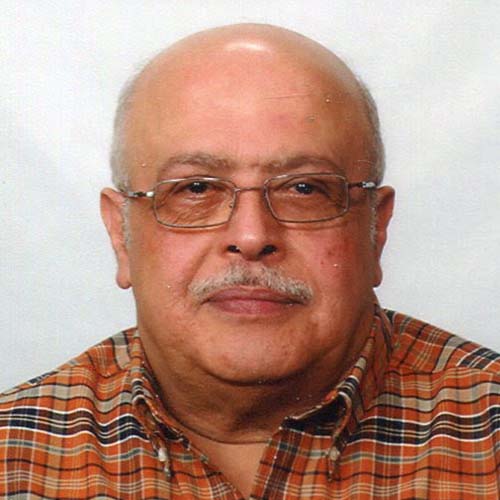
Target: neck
[
  {"x": 240, "y": 414},
  {"x": 201, "y": 435}
]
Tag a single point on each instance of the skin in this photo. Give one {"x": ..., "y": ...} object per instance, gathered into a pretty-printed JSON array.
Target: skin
[{"x": 235, "y": 366}]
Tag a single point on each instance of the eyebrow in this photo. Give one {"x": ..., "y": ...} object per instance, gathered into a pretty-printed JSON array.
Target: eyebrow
[
  {"x": 205, "y": 160},
  {"x": 215, "y": 163},
  {"x": 298, "y": 161}
]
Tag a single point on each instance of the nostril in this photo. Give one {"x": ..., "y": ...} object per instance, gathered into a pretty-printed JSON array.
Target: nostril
[
  {"x": 233, "y": 249},
  {"x": 268, "y": 249}
]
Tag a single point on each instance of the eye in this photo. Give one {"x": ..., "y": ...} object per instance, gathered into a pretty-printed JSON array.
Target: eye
[
  {"x": 190, "y": 187},
  {"x": 304, "y": 188},
  {"x": 197, "y": 187},
  {"x": 307, "y": 186}
]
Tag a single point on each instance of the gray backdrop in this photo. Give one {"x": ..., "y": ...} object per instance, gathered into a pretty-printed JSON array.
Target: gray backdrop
[{"x": 432, "y": 66}]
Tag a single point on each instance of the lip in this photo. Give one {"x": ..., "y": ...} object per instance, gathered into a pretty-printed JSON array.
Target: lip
[{"x": 251, "y": 301}]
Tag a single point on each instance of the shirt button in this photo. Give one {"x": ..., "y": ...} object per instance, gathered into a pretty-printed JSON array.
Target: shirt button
[
  {"x": 334, "y": 454},
  {"x": 162, "y": 455}
]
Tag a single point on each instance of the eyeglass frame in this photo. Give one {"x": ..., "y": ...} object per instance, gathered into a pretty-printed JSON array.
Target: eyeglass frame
[{"x": 365, "y": 184}]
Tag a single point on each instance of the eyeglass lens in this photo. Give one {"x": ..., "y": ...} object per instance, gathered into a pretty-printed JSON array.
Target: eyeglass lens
[{"x": 202, "y": 202}]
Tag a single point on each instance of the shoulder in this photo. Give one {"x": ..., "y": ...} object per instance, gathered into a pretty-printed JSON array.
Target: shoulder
[
  {"x": 439, "y": 398},
  {"x": 60, "y": 427},
  {"x": 423, "y": 348},
  {"x": 88, "y": 377}
]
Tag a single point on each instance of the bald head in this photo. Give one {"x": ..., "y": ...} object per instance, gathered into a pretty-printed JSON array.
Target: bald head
[{"x": 246, "y": 64}]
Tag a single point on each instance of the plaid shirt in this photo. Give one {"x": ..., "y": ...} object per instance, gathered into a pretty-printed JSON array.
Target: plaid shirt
[{"x": 416, "y": 417}]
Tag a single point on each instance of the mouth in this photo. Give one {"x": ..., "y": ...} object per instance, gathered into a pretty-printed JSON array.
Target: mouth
[{"x": 251, "y": 301}]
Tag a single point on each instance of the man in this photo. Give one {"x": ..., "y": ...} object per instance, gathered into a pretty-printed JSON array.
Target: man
[{"x": 249, "y": 220}]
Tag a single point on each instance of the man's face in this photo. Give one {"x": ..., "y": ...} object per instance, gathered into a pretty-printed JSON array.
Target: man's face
[{"x": 259, "y": 120}]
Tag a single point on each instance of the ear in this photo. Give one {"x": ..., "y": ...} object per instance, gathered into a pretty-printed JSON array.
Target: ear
[
  {"x": 112, "y": 206},
  {"x": 384, "y": 205}
]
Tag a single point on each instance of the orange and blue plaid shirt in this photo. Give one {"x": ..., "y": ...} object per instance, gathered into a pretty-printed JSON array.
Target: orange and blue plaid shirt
[{"x": 416, "y": 417}]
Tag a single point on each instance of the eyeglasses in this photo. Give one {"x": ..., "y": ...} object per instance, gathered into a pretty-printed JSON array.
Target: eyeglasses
[{"x": 197, "y": 202}]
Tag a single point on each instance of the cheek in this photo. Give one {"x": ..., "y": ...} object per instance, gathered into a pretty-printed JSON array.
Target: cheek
[
  {"x": 161, "y": 259},
  {"x": 342, "y": 263},
  {"x": 161, "y": 270}
]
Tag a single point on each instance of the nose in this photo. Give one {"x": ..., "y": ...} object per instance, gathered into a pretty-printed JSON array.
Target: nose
[{"x": 252, "y": 233}]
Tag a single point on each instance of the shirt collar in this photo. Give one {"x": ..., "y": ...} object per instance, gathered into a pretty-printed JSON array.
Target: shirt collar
[
  {"x": 146, "y": 397},
  {"x": 339, "y": 413}
]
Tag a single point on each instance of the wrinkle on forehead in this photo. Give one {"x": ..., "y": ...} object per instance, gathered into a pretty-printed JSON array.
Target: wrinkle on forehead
[
  {"x": 288, "y": 96},
  {"x": 334, "y": 96}
]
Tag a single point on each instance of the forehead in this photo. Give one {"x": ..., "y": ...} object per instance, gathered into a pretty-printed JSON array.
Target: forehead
[{"x": 251, "y": 107}]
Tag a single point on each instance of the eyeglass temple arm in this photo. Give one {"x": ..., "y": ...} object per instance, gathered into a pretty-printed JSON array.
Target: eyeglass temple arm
[
  {"x": 363, "y": 184},
  {"x": 138, "y": 194}
]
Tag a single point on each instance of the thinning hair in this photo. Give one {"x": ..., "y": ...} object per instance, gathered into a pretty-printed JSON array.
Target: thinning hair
[
  {"x": 371, "y": 110},
  {"x": 118, "y": 156},
  {"x": 118, "y": 161}
]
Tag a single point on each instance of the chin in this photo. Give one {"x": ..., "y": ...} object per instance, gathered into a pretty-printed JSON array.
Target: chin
[
  {"x": 260, "y": 355},
  {"x": 263, "y": 369}
]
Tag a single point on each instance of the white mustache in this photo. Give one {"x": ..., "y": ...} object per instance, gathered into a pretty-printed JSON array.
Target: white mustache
[{"x": 263, "y": 277}]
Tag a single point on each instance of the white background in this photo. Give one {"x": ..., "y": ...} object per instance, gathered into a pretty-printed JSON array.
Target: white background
[{"x": 433, "y": 67}]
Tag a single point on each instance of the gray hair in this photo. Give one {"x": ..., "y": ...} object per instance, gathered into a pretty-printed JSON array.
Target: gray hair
[
  {"x": 119, "y": 168},
  {"x": 265, "y": 277},
  {"x": 371, "y": 111}
]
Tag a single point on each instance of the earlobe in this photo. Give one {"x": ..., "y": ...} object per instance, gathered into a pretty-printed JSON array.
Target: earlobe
[
  {"x": 112, "y": 213},
  {"x": 384, "y": 206}
]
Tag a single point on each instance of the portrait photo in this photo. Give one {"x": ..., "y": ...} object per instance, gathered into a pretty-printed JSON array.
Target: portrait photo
[{"x": 250, "y": 249}]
